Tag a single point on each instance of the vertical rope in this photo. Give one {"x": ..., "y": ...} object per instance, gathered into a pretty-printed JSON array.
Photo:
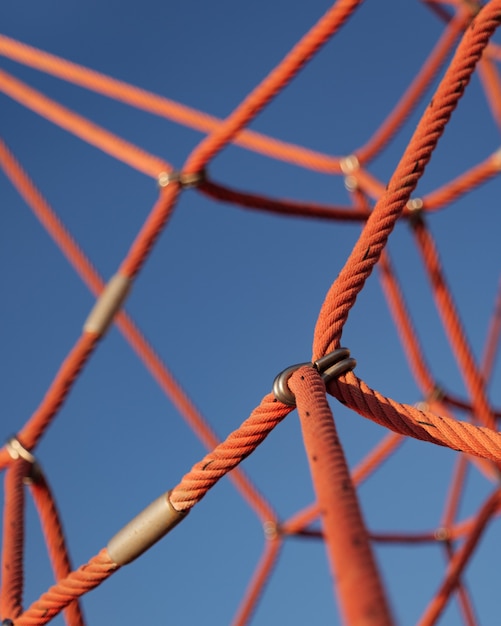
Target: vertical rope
[
  {"x": 54, "y": 539},
  {"x": 357, "y": 582},
  {"x": 11, "y": 591}
]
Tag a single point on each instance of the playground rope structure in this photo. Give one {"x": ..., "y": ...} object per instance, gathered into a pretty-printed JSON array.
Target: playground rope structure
[{"x": 465, "y": 47}]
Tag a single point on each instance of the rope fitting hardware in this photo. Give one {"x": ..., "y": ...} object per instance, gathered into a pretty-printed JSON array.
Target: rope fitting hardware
[
  {"x": 349, "y": 165},
  {"x": 330, "y": 366},
  {"x": 108, "y": 304},
  {"x": 271, "y": 530},
  {"x": 148, "y": 527},
  {"x": 17, "y": 451},
  {"x": 184, "y": 180}
]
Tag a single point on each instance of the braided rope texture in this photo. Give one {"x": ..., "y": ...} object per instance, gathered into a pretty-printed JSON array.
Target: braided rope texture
[{"x": 468, "y": 425}]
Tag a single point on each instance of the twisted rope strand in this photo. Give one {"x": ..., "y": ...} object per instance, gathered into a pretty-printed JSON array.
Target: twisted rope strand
[
  {"x": 132, "y": 334},
  {"x": 81, "y": 581},
  {"x": 228, "y": 454},
  {"x": 11, "y": 591},
  {"x": 412, "y": 422},
  {"x": 358, "y": 584},
  {"x": 365, "y": 254},
  {"x": 55, "y": 541}
]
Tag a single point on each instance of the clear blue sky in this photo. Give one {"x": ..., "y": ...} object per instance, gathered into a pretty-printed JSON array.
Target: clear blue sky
[{"x": 229, "y": 298}]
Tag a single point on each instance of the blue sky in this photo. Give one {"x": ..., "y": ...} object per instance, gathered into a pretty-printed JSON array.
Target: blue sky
[{"x": 229, "y": 298}]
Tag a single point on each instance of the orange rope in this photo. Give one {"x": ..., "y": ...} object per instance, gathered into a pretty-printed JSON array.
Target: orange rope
[
  {"x": 376, "y": 457},
  {"x": 228, "y": 454},
  {"x": 149, "y": 233},
  {"x": 472, "y": 377},
  {"x": 459, "y": 562},
  {"x": 11, "y": 591},
  {"x": 465, "y": 603},
  {"x": 282, "y": 207},
  {"x": 365, "y": 254},
  {"x": 412, "y": 422},
  {"x": 34, "y": 429},
  {"x": 358, "y": 585},
  {"x": 81, "y": 127},
  {"x": 255, "y": 589},
  {"x": 403, "y": 323},
  {"x": 54, "y": 539},
  {"x": 492, "y": 86},
  {"x": 135, "y": 338},
  {"x": 470, "y": 179},
  {"x": 164, "y": 107},
  {"x": 81, "y": 581},
  {"x": 271, "y": 85},
  {"x": 416, "y": 90}
]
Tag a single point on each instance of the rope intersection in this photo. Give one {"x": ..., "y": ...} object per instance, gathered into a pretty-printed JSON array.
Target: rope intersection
[{"x": 377, "y": 205}]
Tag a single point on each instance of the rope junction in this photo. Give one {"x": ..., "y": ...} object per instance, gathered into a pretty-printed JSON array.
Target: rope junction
[{"x": 377, "y": 206}]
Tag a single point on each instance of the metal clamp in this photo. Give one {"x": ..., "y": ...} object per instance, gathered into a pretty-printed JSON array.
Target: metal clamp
[
  {"x": 330, "y": 366},
  {"x": 184, "y": 180},
  {"x": 17, "y": 451}
]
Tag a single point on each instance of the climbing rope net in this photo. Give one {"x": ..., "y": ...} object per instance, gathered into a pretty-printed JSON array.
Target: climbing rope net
[{"x": 466, "y": 424}]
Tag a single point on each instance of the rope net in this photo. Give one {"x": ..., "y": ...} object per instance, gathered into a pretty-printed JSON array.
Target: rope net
[{"x": 368, "y": 480}]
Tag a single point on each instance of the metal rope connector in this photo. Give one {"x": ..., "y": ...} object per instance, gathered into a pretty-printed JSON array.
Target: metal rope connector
[
  {"x": 108, "y": 304},
  {"x": 271, "y": 530},
  {"x": 148, "y": 527},
  {"x": 184, "y": 180},
  {"x": 330, "y": 366},
  {"x": 17, "y": 451},
  {"x": 349, "y": 165}
]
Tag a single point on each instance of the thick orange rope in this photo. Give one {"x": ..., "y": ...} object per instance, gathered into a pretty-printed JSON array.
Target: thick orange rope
[
  {"x": 366, "y": 252},
  {"x": 54, "y": 539},
  {"x": 404, "y": 419},
  {"x": 413, "y": 422},
  {"x": 417, "y": 88},
  {"x": 228, "y": 454},
  {"x": 374, "y": 459},
  {"x": 358, "y": 584},
  {"x": 11, "y": 591},
  {"x": 85, "y": 578}
]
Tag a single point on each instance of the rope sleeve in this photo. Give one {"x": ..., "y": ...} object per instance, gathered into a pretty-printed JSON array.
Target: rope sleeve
[
  {"x": 107, "y": 305},
  {"x": 153, "y": 523}
]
